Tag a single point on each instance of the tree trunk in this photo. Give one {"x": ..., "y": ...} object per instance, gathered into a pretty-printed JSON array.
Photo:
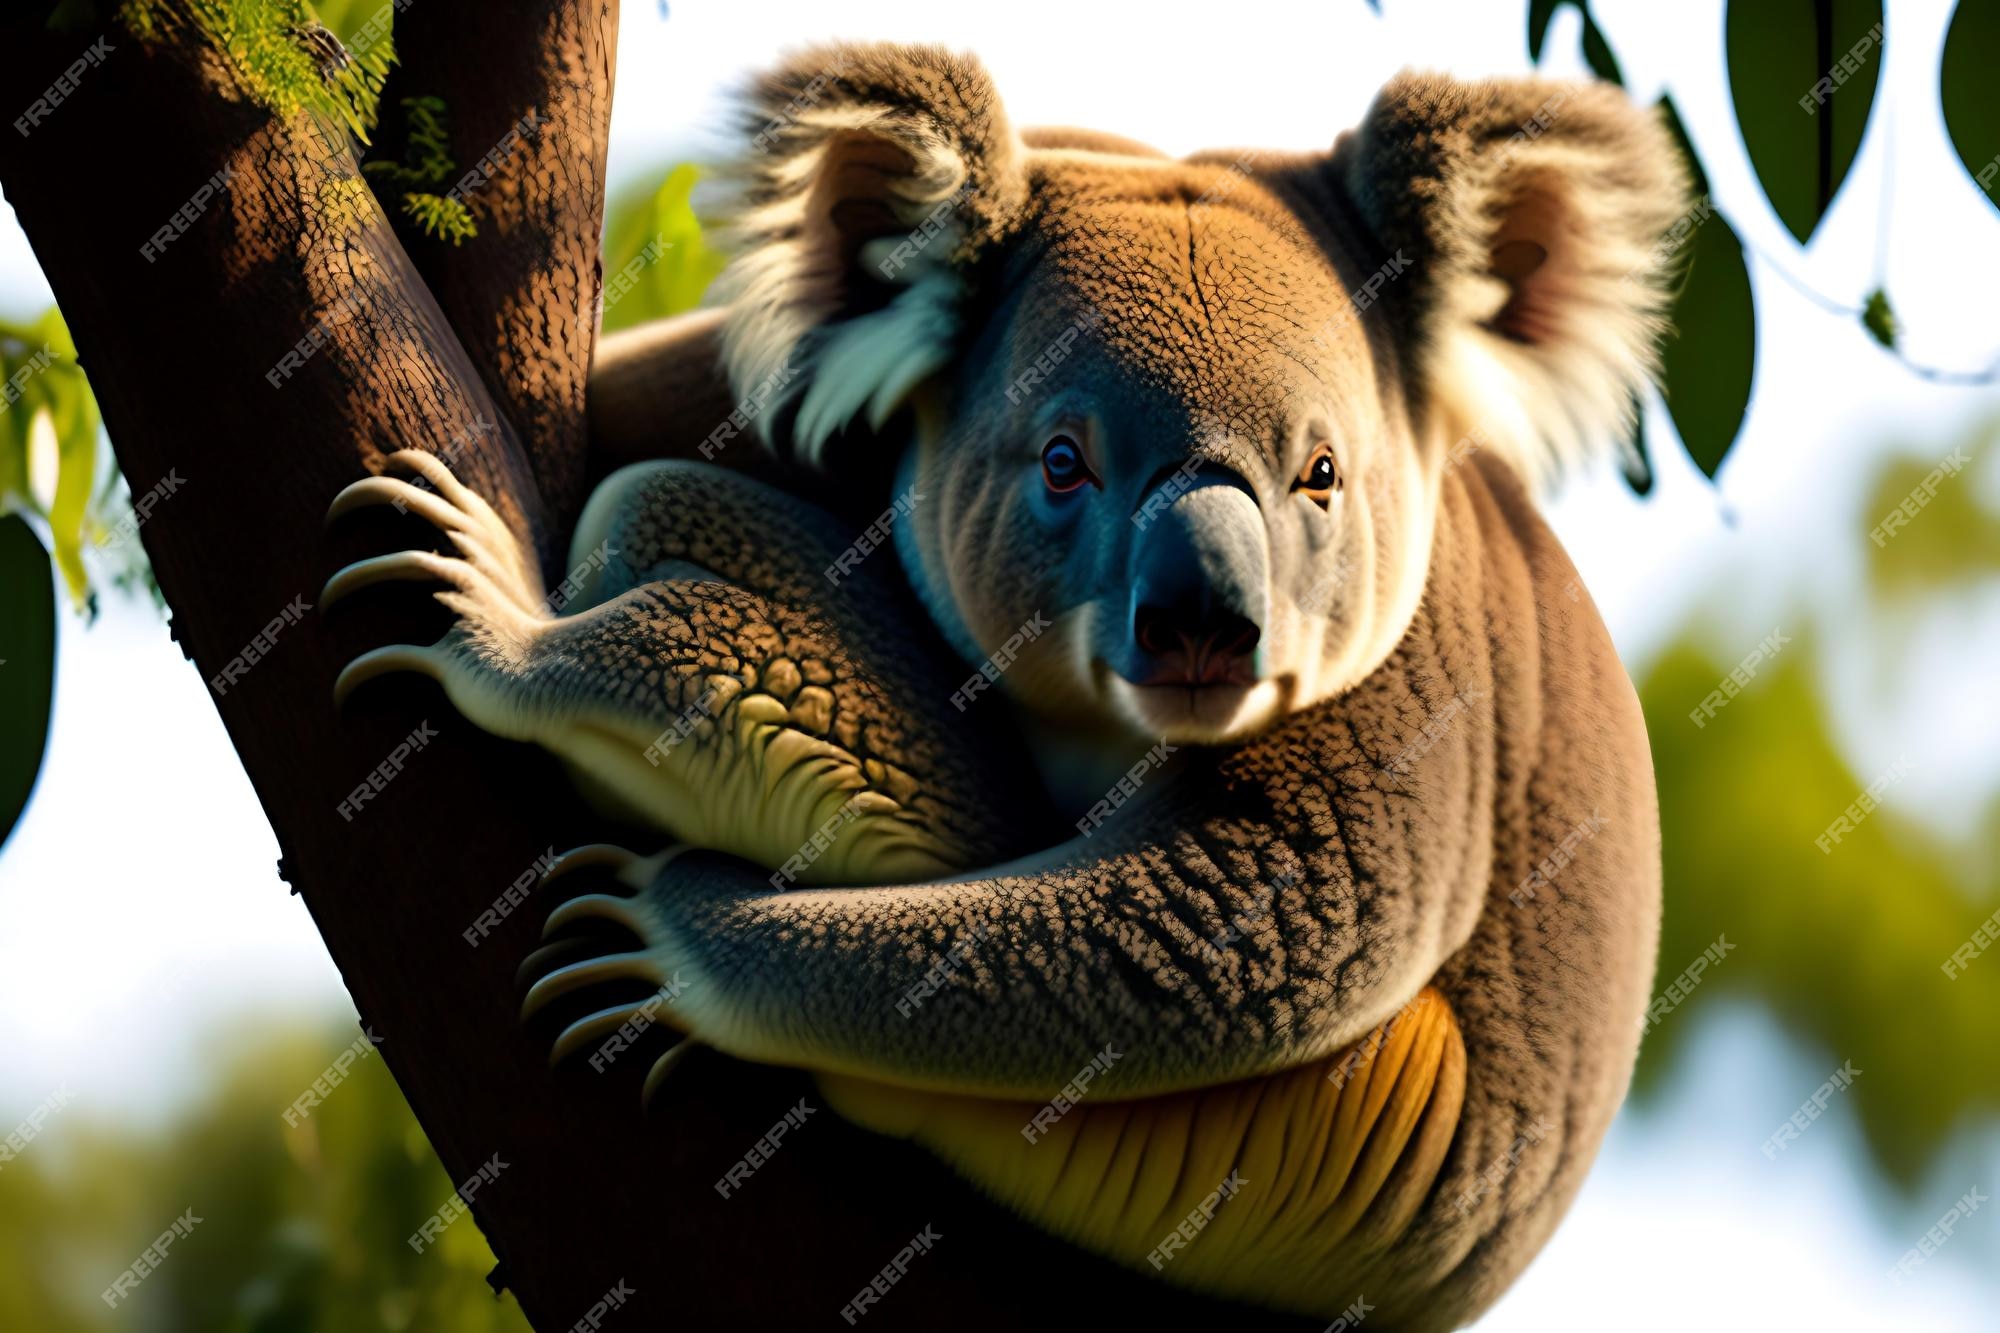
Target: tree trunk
[{"x": 479, "y": 353}]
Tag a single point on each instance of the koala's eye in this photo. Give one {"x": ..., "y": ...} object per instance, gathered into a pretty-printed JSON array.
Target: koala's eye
[
  {"x": 1321, "y": 478},
  {"x": 1063, "y": 467}
]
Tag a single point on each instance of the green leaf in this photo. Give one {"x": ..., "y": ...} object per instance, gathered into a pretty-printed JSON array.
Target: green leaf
[
  {"x": 53, "y": 389},
  {"x": 1802, "y": 76},
  {"x": 657, "y": 261},
  {"x": 440, "y": 216},
  {"x": 426, "y": 163},
  {"x": 14, "y": 426},
  {"x": 1965, "y": 86},
  {"x": 1879, "y": 319},
  {"x": 54, "y": 405},
  {"x": 74, "y": 414},
  {"x": 73, "y": 411},
  {"x": 1710, "y": 359},
  {"x": 27, "y": 664},
  {"x": 1697, "y": 174},
  {"x": 1597, "y": 51},
  {"x": 1540, "y": 13}
]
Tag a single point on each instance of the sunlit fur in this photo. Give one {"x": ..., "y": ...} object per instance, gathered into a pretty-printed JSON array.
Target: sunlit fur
[{"x": 903, "y": 246}]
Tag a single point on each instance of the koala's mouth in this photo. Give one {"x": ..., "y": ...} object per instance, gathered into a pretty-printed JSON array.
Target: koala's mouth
[
  {"x": 1217, "y": 711},
  {"x": 1198, "y": 670}
]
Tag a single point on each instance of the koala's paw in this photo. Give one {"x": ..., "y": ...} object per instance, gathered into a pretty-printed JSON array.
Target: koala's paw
[
  {"x": 583, "y": 963},
  {"x": 493, "y": 583}
]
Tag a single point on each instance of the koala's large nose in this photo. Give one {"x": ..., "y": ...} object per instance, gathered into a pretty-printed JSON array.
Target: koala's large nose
[{"x": 1199, "y": 595}]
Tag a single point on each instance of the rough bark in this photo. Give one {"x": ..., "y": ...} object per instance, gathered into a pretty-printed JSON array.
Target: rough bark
[
  {"x": 524, "y": 297},
  {"x": 181, "y": 351}
]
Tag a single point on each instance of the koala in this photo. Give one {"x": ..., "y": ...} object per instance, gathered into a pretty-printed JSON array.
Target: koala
[{"x": 1204, "y": 807}]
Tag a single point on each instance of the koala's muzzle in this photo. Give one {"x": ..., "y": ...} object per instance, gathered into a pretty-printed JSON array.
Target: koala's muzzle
[{"x": 1200, "y": 587}]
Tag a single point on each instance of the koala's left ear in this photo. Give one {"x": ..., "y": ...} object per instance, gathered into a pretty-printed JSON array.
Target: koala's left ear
[
  {"x": 1528, "y": 218},
  {"x": 873, "y": 177}
]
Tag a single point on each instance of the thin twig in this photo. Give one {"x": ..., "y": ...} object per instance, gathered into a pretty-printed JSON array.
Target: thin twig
[{"x": 1933, "y": 374}]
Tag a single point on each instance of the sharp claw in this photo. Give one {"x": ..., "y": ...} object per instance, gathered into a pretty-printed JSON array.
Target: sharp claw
[
  {"x": 540, "y": 960},
  {"x": 478, "y": 513},
  {"x": 382, "y": 662},
  {"x": 433, "y": 469},
  {"x": 590, "y": 854},
  {"x": 602, "y": 905},
  {"x": 613, "y": 967},
  {"x": 371, "y": 491},
  {"x": 663, "y": 1067},
  {"x": 404, "y": 566},
  {"x": 468, "y": 520},
  {"x": 592, "y": 1027}
]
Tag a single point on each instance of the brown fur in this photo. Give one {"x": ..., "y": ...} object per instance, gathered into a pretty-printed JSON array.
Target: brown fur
[{"x": 1451, "y": 717}]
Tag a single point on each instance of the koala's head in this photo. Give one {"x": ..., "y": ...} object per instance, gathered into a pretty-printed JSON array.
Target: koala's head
[{"x": 1176, "y": 428}]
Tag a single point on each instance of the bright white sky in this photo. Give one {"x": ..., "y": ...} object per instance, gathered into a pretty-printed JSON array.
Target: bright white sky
[{"x": 139, "y": 897}]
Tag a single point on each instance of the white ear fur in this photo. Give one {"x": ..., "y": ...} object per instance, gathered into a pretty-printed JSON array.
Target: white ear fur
[
  {"x": 917, "y": 134},
  {"x": 1539, "y": 358}
]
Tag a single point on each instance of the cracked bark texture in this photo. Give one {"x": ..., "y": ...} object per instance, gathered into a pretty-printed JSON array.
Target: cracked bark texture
[
  {"x": 548, "y": 63},
  {"x": 179, "y": 351}
]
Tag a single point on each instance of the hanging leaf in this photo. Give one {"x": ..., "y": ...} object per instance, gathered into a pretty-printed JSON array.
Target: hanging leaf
[
  {"x": 72, "y": 410},
  {"x": 15, "y": 492},
  {"x": 1965, "y": 86},
  {"x": 52, "y": 452},
  {"x": 1597, "y": 51},
  {"x": 1879, "y": 319},
  {"x": 27, "y": 664},
  {"x": 1802, "y": 76},
  {"x": 1709, "y": 360},
  {"x": 1540, "y": 13}
]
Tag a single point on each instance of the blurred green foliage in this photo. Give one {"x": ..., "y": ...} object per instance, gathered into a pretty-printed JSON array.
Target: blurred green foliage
[
  {"x": 1845, "y": 946},
  {"x": 28, "y": 651},
  {"x": 302, "y": 1227},
  {"x": 46, "y": 406},
  {"x": 657, "y": 259},
  {"x": 52, "y": 507},
  {"x": 1953, "y": 541}
]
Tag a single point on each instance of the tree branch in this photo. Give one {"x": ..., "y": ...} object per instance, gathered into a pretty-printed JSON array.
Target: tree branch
[{"x": 527, "y": 90}]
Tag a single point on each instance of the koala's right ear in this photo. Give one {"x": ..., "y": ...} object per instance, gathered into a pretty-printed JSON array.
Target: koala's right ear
[{"x": 874, "y": 175}]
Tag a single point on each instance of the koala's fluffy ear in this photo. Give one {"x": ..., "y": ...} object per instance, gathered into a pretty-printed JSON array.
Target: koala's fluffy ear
[
  {"x": 1530, "y": 216},
  {"x": 874, "y": 175}
]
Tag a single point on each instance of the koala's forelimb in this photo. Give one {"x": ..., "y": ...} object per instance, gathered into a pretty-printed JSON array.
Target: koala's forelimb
[
  {"x": 717, "y": 685},
  {"x": 1256, "y": 911},
  {"x": 1204, "y": 937}
]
